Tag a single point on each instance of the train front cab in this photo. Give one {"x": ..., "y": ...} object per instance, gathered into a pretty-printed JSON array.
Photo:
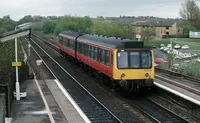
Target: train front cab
[{"x": 133, "y": 67}]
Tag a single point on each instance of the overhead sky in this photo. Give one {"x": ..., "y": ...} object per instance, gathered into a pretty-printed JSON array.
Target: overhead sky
[{"x": 159, "y": 8}]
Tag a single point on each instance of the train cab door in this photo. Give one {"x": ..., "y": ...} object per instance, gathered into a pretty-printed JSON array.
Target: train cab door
[
  {"x": 108, "y": 62},
  {"x": 111, "y": 63},
  {"x": 61, "y": 43}
]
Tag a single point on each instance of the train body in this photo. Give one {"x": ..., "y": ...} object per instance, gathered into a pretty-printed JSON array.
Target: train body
[{"x": 127, "y": 63}]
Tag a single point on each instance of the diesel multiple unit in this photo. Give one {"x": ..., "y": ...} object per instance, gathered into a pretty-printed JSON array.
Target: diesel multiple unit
[{"x": 125, "y": 62}]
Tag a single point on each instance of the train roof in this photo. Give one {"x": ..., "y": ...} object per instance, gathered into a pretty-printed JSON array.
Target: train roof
[
  {"x": 70, "y": 34},
  {"x": 111, "y": 42}
]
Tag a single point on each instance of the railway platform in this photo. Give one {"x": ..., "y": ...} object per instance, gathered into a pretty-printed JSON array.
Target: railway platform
[
  {"x": 46, "y": 102},
  {"x": 179, "y": 90}
]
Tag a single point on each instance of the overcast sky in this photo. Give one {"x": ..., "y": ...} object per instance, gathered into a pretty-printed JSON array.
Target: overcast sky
[{"x": 159, "y": 8}]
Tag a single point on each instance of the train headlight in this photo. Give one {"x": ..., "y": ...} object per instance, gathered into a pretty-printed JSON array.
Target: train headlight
[
  {"x": 122, "y": 75},
  {"x": 147, "y": 75}
]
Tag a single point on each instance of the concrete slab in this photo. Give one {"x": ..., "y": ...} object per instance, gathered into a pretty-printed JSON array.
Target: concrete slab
[
  {"x": 32, "y": 108},
  {"x": 179, "y": 91},
  {"x": 71, "y": 114}
]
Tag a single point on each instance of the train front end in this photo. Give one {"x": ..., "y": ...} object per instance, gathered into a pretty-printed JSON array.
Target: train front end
[{"x": 133, "y": 68}]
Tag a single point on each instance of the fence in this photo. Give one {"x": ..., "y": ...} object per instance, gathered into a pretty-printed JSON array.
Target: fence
[
  {"x": 2, "y": 108},
  {"x": 7, "y": 87}
]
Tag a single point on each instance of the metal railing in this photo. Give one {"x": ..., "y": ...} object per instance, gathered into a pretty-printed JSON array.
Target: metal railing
[
  {"x": 2, "y": 108},
  {"x": 6, "y": 88}
]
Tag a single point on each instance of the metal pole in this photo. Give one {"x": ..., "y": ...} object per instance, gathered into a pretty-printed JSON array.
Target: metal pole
[
  {"x": 29, "y": 44},
  {"x": 17, "y": 78},
  {"x": 161, "y": 28},
  {"x": 171, "y": 42}
]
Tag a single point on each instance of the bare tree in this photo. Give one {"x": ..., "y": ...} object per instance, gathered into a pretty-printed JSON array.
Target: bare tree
[{"x": 190, "y": 12}]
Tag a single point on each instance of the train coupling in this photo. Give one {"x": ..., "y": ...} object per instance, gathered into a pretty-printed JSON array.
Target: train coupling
[{"x": 149, "y": 82}]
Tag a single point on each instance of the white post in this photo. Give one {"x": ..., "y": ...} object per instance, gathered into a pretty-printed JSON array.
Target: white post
[
  {"x": 16, "y": 60},
  {"x": 29, "y": 47},
  {"x": 17, "y": 78},
  {"x": 171, "y": 43}
]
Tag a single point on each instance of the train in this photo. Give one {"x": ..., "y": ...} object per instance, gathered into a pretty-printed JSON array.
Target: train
[{"x": 124, "y": 63}]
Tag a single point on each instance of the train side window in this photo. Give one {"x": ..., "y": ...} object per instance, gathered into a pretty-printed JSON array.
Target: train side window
[
  {"x": 73, "y": 45},
  {"x": 89, "y": 51},
  {"x": 68, "y": 43},
  {"x": 61, "y": 40},
  {"x": 83, "y": 49},
  {"x": 103, "y": 56},
  {"x": 86, "y": 50},
  {"x": 95, "y": 53},
  {"x": 65, "y": 42},
  {"x": 83, "y": 46},
  {"x": 98, "y": 54},
  {"x": 107, "y": 57},
  {"x": 78, "y": 47}
]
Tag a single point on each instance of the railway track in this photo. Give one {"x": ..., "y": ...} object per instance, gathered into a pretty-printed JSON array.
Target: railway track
[
  {"x": 188, "y": 83},
  {"x": 172, "y": 73},
  {"x": 155, "y": 112},
  {"x": 94, "y": 110}
]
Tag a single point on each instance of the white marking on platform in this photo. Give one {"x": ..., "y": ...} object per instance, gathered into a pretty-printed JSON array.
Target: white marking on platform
[
  {"x": 45, "y": 112},
  {"x": 8, "y": 120},
  {"x": 82, "y": 114},
  {"x": 178, "y": 93},
  {"x": 178, "y": 83},
  {"x": 44, "y": 100}
]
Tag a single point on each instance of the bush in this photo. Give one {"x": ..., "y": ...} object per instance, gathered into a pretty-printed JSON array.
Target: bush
[
  {"x": 192, "y": 69},
  {"x": 48, "y": 27},
  {"x": 175, "y": 36},
  {"x": 37, "y": 26}
]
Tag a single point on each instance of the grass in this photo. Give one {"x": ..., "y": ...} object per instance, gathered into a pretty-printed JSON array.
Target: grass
[
  {"x": 188, "y": 40},
  {"x": 194, "y": 47},
  {"x": 157, "y": 42}
]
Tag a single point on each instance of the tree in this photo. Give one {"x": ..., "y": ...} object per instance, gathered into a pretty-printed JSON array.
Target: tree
[
  {"x": 187, "y": 27},
  {"x": 190, "y": 12},
  {"x": 48, "y": 27},
  {"x": 71, "y": 23},
  {"x": 25, "y": 19},
  {"x": 6, "y": 24},
  {"x": 147, "y": 34},
  {"x": 112, "y": 29},
  {"x": 171, "y": 57}
]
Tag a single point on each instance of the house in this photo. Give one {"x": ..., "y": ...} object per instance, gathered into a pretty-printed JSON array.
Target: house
[{"x": 163, "y": 27}]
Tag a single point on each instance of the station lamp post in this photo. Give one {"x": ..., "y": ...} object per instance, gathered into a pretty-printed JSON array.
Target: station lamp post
[{"x": 22, "y": 26}]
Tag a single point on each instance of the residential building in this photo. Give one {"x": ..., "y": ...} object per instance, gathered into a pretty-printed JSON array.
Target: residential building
[{"x": 163, "y": 27}]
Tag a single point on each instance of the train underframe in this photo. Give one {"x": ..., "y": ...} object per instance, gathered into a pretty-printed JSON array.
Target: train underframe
[{"x": 126, "y": 86}]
